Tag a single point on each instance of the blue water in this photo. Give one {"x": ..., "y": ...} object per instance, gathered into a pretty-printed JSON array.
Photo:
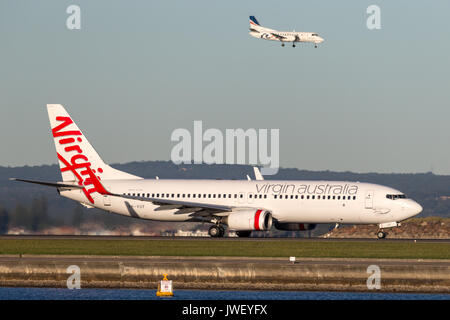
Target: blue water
[{"x": 145, "y": 294}]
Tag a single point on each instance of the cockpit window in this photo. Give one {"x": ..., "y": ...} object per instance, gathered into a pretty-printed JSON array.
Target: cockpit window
[
  {"x": 315, "y": 34},
  {"x": 395, "y": 196}
]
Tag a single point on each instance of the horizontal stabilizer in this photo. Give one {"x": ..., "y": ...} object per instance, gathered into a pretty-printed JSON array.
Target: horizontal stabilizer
[{"x": 50, "y": 184}]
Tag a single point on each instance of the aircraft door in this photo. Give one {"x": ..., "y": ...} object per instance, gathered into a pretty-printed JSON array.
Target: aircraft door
[{"x": 369, "y": 200}]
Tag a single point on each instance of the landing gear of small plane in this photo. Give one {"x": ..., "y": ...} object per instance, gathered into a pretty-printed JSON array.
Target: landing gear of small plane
[
  {"x": 216, "y": 231},
  {"x": 293, "y": 45},
  {"x": 315, "y": 46},
  {"x": 282, "y": 44},
  {"x": 243, "y": 234},
  {"x": 381, "y": 234}
]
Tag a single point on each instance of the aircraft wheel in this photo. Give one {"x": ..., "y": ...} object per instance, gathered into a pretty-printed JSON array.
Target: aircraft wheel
[
  {"x": 221, "y": 231},
  {"x": 381, "y": 234},
  {"x": 243, "y": 234},
  {"x": 293, "y": 45},
  {"x": 282, "y": 44},
  {"x": 216, "y": 231}
]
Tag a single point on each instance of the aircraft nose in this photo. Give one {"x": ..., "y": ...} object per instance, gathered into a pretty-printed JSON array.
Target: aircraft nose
[
  {"x": 321, "y": 39},
  {"x": 413, "y": 208}
]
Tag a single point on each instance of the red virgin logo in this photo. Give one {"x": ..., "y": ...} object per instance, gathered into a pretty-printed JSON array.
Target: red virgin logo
[{"x": 78, "y": 164}]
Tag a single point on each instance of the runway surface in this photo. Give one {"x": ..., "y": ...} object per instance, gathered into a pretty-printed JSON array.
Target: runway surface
[{"x": 83, "y": 237}]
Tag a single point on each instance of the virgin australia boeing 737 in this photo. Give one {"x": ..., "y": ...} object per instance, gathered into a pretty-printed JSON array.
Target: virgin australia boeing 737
[
  {"x": 242, "y": 205},
  {"x": 257, "y": 31}
]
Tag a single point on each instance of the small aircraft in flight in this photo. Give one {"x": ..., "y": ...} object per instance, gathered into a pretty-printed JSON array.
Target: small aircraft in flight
[{"x": 257, "y": 31}]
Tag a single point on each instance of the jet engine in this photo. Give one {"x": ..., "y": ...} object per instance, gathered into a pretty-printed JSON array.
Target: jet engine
[
  {"x": 295, "y": 226},
  {"x": 249, "y": 220}
]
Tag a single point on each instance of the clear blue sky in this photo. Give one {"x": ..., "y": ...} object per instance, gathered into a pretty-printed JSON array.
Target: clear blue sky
[{"x": 364, "y": 101}]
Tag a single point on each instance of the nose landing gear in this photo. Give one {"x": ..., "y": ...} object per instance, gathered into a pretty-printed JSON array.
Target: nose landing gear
[{"x": 381, "y": 234}]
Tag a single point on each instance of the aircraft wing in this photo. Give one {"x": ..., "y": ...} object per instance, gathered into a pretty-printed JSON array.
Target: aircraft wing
[
  {"x": 194, "y": 208},
  {"x": 278, "y": 36}
]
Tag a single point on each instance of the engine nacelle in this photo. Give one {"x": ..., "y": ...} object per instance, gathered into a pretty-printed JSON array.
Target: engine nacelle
[
  {"x": 295, "y": 226},
  {"x": 249, "y": 220}
]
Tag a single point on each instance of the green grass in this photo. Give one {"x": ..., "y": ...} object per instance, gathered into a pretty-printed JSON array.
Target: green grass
[{"x": 351, "y": 249}]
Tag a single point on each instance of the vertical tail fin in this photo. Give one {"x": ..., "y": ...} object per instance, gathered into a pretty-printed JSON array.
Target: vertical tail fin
[
  {"x": 255, "y": 27},
  {"x": 253, "y": 21},
  {"x": 78, "y": 160}
]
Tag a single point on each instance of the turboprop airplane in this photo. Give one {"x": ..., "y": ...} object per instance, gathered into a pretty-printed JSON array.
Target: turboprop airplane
[
  {"x": 257, "y": 31},
  {"x": 241, "y": 205}
]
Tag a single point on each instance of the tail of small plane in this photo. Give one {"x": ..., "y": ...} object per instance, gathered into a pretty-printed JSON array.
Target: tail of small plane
[
  {"x": 254, "y": 21},
  {"x": 78, "y": 160},
  {"x": 254, "y": 25}
]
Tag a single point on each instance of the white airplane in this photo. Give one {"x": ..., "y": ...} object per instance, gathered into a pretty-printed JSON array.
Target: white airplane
[
  {"x": 242, "y": 205},
  {"x": 257, "y": 31}
]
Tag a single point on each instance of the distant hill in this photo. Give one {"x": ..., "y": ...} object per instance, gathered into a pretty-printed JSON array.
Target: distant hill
[{"x": 431, "y": 191}]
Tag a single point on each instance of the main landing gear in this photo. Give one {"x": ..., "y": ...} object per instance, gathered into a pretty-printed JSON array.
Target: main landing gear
[
  {"x": 216, "y": 231},
  {"x": 282, "y": 44},
  {"x": 293, "y": 45}
]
